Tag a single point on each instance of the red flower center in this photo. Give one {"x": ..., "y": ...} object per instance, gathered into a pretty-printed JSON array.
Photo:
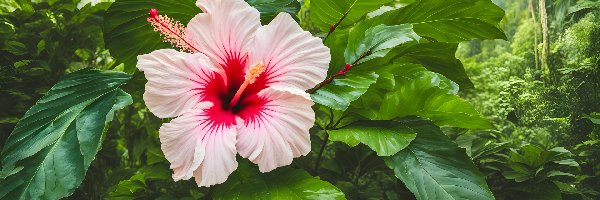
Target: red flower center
[{"x": 248, "y": 106}]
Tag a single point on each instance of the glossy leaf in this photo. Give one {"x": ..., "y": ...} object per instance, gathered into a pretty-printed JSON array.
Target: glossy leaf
[
  {"x": 450, "y": 21},
  {"x": 435, "y": 56},
  {"x": 433, "y": 167},
  {"x": 270, "y": 8},
  {"x": 326, "y": 13},
  {"x": 284, "y": 183},
  {"x": 418, "y": 92},
  {"x": 343, "y": 90},
  {"x": 384, "y": 137},
  {"x": 53, "y": 145},
  {"x": 127, "y": 34},
  {"x": 376, "y": 41}
]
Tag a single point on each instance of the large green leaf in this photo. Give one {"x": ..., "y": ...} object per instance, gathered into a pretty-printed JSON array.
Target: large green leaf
[
  {"x": 376, "y": 41},
  {"x": 53, "y": 145},
  {"x": 450, "y": 21},
  {"x": 433, "y": 167},
  {"x": 384, "y": 137},
  {"x": 435, "y": 56},
  {"x": 326, "y": 13},
  {"x": 343, "y": 90},
  {"x": 418, "y": 92},
  {"x": 284, "y": 183},
  {"x": 127, "y": 34}
]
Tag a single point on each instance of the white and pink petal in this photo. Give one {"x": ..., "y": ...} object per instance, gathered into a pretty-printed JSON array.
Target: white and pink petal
[
  {"x": 219, "y": 160},
  {"x": 293, "y": 57},
  {"x": 224, "y": 30},
  {"x": 278, "y": 132},
  {"x": 197, "y": 145},
  {"x": 176, "y": 80}
]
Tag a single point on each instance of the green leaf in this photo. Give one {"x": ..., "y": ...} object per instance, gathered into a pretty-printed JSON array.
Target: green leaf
[
  {"x": 449, "y": 21},
  {"x": 546, "y": 190},
  {"x": 57, "y": 139},
  {"x": 270, "y": 8},
  {"x": 137, "y": 182},
  {"x": 433, "y": 167},
  {"x": 384, "y": 137},
  {"x": 284, "y": 183},
  {"x": 127, "y": 34},
  {"x": 420, "y": 93},
  {"x": 376, "y": 41},
  {"x": 435, "y": 56},
  {"x": 593, "y": 117},
  {"x": 344, "y": 90},
  {"x": 326, "y": 13}
]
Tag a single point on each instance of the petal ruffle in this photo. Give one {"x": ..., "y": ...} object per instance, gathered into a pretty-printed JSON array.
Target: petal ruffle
[
  {"x": 175, "y": 80},
  {"x": 196, "y": 145},
  {"x": 294, "y": 58},
  {"x": 219, "y": 160},
  {"x": 279, "y": 132},
  {"x": 224, "y": 30},
  {"x": 181, "y": 143}
]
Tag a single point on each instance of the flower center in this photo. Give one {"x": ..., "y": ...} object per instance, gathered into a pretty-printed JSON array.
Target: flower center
[{"x": 251, "y": 74}]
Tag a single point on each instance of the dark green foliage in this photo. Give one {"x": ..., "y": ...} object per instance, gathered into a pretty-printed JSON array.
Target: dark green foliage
[
  {"x": 433, "y": 167},
  {"x": 38, "y": 44},
  {"x": 247, "y": 182},
  {"x": 63, "y": 133}
]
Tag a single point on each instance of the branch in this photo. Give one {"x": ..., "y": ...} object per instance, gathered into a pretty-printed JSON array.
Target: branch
[
  {"x": 341, "y": 73},
  {"x": 333, "y": 27}
]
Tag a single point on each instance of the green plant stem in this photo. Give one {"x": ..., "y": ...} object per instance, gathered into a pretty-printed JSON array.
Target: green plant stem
[{"x": 321, "y": 152}]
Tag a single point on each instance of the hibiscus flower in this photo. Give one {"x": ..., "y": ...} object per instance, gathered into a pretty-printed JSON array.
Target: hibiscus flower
[{"x": 240, "y": 90}]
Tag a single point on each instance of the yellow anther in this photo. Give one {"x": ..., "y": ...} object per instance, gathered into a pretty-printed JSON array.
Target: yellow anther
[
  {"x": 251, "y": 74},
  {"x": 254, "y": 71}
]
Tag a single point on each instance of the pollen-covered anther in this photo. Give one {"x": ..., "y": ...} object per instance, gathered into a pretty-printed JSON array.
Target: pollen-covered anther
[
  {"x": 254, "y": 71},
  {"x": 172, "y": 31},
  {"x": 251, "y": 74}
]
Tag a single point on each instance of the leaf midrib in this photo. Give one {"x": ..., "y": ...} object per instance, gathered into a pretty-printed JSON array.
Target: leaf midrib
[{"x": 54, "y": 145}]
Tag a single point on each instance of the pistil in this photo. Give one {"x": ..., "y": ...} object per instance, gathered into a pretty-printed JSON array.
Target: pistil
[{"x": 251, "y": 74}]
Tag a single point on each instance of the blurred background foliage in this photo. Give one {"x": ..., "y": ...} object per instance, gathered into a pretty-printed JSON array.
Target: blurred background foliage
[{"x": 545, "y": 143}]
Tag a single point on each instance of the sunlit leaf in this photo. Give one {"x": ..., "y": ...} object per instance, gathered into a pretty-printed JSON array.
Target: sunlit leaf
[
  {"x": 384, "y": 137},
  {"x": 417, "y": 92},
  {"x": 327, "y": 13},
  {"x": 344, "y": 89},
  {"x": 449, "y": 21},
  {"x": 376, "y": 41}
]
